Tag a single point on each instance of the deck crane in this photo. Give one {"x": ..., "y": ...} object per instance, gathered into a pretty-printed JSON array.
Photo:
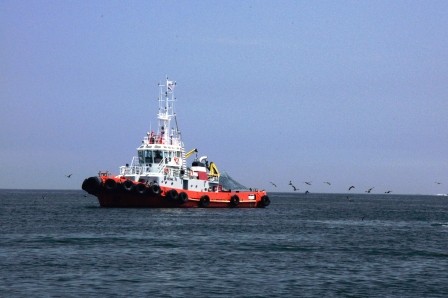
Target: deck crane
[{"x": 189, "y": 153}]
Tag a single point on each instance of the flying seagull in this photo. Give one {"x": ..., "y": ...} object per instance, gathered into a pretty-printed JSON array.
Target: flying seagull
[
  {"x": 295, "y": 188},
  {"x": 326, "y": 182},
  {"x": 389, "y": 191},
  {"x": 68, "y": 176},
  {"x": 307, "y": 192},
  {"x": 369, "y": 190},
  {"x": 438, "y": 182},
  {"x": 307, "y": 183},
  {"x": 351, "y": 187},
  {"x": 273, "y": 184}
]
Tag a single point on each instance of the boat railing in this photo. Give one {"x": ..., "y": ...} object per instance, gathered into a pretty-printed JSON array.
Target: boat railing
[
  {"x": 213, "y": 179},
  {"x": 137, "y": 169},
  {"x": 155, "y": 139},
  {"x": 131, "y": 170},
  {"x": 161, "y": 166},
  {"x": 103, "y": 174},
  {"x": 161, "y": 139},
  {"x": 134, "y": 169},
  {"x": 135, "y": 161}
]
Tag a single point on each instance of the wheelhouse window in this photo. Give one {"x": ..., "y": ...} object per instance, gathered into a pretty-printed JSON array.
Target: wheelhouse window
[
  {"x": 148, "y": 156},
  {"x": 141, "y": 158},
  {"x": 158, "y": 156},
  {"x": 145, "y": 156}
]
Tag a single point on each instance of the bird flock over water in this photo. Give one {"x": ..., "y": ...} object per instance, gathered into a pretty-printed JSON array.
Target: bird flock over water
[
  {"x": 349, "y": 189},
  {"x": 309, "y": 183}
]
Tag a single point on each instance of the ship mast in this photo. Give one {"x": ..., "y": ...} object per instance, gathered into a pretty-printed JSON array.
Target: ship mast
[{"x": 166, "y": 113}]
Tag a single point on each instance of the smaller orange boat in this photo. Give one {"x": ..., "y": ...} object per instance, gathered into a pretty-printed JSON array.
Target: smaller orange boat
[{"x": 158, "y": 177}]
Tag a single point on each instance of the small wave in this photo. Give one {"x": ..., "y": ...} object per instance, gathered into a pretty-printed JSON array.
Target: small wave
[
  {"x": 92, "y": 207},
  {"x": 445, "y": 225}
]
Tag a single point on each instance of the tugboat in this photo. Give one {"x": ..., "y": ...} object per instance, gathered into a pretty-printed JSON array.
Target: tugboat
[{"x": 159, "y": 177}]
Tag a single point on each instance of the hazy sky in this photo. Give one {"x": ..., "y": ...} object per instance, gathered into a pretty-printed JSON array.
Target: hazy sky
[{"x": 351, "y": 92}]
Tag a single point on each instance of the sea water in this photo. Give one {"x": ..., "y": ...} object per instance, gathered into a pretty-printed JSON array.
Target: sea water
[{"x": 62, "y": 244}]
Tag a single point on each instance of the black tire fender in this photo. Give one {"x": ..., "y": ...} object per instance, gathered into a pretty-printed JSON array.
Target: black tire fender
[
  {"x": 155, "y": 189},
  {"x": 204, "y": 201},
  {"x": 265, "y": 201},
  {"x": 183, "y": 198},
  {"x": 110, "y": 185},
  {"x": 172, "y": 195},
  {"x": 141, "y": 189},
  {"x": 127, "y": 185},
  {"x": 92, "y": 185},
  {"x": 234, "y": 201}
]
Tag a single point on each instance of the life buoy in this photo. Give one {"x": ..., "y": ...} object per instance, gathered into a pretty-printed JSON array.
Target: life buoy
[
  {"x": 234, "y": 201},
  {"x": 172, "y": 195},
  {"x": 155, "y": 189},
  {"x": 176, "y": 160},
  {"x": 183, "y": 198},
  {"x": 110, "y": 185},
  {"x": 204, "y": 201}
]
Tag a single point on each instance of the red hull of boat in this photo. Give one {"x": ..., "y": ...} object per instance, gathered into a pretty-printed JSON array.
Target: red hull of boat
[{"x": 114, "y": 192}]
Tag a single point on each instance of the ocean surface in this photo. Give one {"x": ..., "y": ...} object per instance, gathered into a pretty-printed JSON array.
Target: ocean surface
[{"x": 62, "y": 244}]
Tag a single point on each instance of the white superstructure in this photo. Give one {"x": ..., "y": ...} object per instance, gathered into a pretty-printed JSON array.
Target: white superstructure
[{"x": 161, "y": 157}]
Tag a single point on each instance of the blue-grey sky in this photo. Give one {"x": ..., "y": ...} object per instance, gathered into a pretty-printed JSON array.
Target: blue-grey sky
[{"x": 351, "y": 92}]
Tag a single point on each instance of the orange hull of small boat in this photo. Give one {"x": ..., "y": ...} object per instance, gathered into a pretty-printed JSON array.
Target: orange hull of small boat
[{"x": 115, "y": 192}]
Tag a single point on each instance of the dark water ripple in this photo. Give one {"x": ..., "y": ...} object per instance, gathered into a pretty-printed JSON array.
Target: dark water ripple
[{"x": 61, "y": 244}]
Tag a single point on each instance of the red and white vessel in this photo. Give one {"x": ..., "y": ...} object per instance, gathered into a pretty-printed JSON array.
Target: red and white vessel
[{"x": 159, "y": 177}]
